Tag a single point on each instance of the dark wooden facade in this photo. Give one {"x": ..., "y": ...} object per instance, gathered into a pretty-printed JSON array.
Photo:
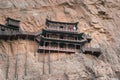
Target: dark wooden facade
[
  {"x": 93, "y": 51},
  {"x": 11, "y": 31}
]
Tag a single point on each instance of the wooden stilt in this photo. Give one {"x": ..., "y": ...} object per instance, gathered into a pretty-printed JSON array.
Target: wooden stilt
[
  {"x": 43, "y": 60},
  {"x": 25, "y": 65},
  {"x": 16, "y": 65},
  {"x": 8, "y": 63},
  {"x": 7, "y": 68},
  {"x": 16, "y": 62}
]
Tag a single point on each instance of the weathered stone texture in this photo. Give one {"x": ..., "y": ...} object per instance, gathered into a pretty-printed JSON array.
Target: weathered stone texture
[{"x": 100, "y": 18}]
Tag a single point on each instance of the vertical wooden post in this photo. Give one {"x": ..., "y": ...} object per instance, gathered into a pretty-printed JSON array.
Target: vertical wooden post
[
  {"x": 7, "y": 68},
  {"x": 16, "y": 62},
  {"x": 43, "y": 59},
  {"x": 25, "y": 65},
  {"x": 25, "y": 72},
  {"x": 8, "y": 64}
]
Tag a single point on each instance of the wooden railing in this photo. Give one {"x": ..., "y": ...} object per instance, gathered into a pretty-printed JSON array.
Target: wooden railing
[
  {"x": 61, "y": 29},
  {"x": 57, "y": 49},
  {"x": 84, "y": 40}
]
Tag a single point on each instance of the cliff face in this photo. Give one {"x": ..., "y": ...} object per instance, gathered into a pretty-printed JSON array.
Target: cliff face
[{"x": 100, "y": 18}]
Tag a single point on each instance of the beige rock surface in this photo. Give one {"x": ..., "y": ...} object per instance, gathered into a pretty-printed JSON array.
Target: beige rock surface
[{"x": 104, "y": 29}]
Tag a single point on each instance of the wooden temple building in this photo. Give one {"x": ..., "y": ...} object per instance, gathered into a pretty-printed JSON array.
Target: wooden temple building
[{"x": 64, "y": 37}]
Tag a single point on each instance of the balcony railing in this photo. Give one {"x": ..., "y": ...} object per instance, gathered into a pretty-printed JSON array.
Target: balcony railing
[
  {"x": 61, "y": 29},
  {"x": 58, "y": 49}
]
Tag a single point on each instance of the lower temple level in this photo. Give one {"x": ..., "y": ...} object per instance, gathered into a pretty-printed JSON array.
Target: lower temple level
[{"x": 59, "y": 47}]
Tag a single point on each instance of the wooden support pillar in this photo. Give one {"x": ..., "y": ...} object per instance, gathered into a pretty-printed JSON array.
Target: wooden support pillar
[
  {"x": 25, "y": 65},
  {"x": 16, "y": 61},
  {"x": 43, "y": 61},
  {"x": 16, "y": 65},
  {"x": 7, "y": 68}
]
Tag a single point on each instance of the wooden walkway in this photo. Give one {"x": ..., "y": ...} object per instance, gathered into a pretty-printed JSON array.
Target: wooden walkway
[{"x": 15, "y": 34}]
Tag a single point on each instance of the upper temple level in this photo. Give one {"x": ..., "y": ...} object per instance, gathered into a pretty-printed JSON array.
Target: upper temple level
[{"x": 61, "y": 26}]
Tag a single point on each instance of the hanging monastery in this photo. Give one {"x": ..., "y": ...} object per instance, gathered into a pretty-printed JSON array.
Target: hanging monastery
[{"x": 55, "y": 37}]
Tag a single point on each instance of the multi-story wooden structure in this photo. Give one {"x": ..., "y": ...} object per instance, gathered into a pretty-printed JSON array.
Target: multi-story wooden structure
[{"x": 62, "y": 37}]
